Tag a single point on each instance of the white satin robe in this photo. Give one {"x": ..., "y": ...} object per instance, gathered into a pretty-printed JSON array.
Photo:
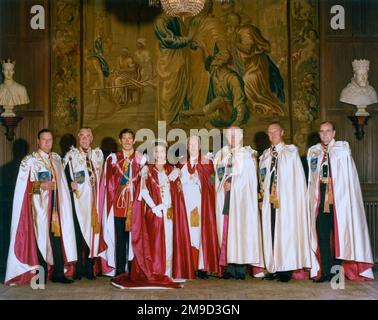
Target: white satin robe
[
  {"x": 29, "y": 168},
  {"x": 291, "y": 236},
  {"x": 352, "y": 227},
  {"x": 244, "y": 244},
  {"x": 83, "y": 203}
]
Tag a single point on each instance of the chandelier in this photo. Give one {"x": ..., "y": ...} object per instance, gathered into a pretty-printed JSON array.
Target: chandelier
[{"x": 181, "y": 8}]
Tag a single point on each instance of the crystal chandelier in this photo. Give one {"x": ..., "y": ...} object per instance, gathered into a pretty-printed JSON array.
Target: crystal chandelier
[{"x": 181, "y": 8}]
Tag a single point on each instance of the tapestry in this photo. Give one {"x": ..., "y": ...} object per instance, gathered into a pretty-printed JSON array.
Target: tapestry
[{"x": 240, "y": 62}]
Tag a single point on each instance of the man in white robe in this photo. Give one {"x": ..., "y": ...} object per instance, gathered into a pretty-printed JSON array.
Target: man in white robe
[
  {"x": 42, "y": 230},
  {"x": 83, "y": 167},
  {"x": 339, "y": 232},
  {"x": 285, "y": 221},
  {"x": 238, "y": 219}
]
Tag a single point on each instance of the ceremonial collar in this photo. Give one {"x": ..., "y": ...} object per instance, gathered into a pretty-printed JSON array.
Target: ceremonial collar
[
  {"x": 193, "y": 161},
  {"x": 158, "y": 171},
  {"x": 234, "y": 150},
  {"x": 279, "y": 146},
  {"x": 127, "y": 154},
  {"x": 330, "y": 144},
  {"x": 89, "y": 151},
  {"x": 43, "y": 154}
]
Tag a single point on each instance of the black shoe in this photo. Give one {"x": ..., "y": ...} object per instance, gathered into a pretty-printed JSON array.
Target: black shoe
[
  {"x": 202, "y": 274},
  {"x": 323, "y": 278},
  {"x": 78, "y": 274},
  {"x": 240, "y": 277},
  {"x": 90, "y": 276},
  {"x": 270, "y": 276},
  {"x": 227, "y": 275},
  {"x": 284, "y": 278},
  {"x": 61, "y": 279}
]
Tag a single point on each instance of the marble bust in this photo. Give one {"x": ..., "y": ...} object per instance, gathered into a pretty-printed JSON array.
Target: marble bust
[
  {"x": 11, "y": 92},
  {"x": 358, "y": 92}
]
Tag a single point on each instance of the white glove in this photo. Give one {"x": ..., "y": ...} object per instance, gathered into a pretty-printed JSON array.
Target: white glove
[
  {"x": 158, "y": 210},
  {"x": 144, "y": 160},
  {"x": 174, "y": 174},
  {"x": 195, "y": 178},
  {"x": 144, "y": 172},
  {"x": 114, "y": 158},
  {"x": 210, "y": 156},
  {"x": 147, "y": 198}
]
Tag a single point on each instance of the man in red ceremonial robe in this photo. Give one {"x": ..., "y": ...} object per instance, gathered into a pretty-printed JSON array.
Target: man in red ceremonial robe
[
  {"x": 42, "y": 230},
  {"x": 121, "y": 186},
  {"x": 199, "y": 195},
  {"x": 160, "y": 233}
]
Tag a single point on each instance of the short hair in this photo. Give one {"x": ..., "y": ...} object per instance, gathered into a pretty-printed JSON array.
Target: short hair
[
  {"x": 193, "y": 136},
  {"x": 329, "y": 122},
  {"x": 43, "y": 131},
  {"x": 85, "y": 128},
  {"x": 126, "y": 130},
  {"x": 277, "y": 123},
  {"x": 160, "y": 142},
  {"x": 188, "y": 140}
]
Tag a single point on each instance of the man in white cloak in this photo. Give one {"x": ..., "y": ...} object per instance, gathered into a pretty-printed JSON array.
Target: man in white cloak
[
  {"x": 285, "y": 221},
  {"x": 83, "y": 168},
  {"x": 339, "y": 232},
  {"x": 42, "y": 230},
  {"x": 237, "y": 215}
]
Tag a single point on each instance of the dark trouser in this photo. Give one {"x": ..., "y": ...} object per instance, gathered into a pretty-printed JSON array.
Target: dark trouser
[
  {"x": 324, "y": 229},
  {"x": 57, "y": 249},
  {"x": 236, "y": 270},
  {"x": 122, "y": 246},
  {"x": 82, "y": 249},
  {"x": 280, "y": 274}
]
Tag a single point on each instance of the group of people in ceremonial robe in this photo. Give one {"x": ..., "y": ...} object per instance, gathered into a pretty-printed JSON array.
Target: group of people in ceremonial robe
[{"x": 147, "y": 223}]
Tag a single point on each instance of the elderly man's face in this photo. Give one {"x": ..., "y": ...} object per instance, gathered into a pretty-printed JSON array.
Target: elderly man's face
[
  {"x": 326, "y": 133},
  {"x": 234, "y": 137},
  {"x": 85, "y": 138},
  {"x": 275, "y": 133},
  {"x": 361, "y": 77}
]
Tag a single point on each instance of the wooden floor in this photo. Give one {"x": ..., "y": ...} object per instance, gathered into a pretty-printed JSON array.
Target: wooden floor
[{"x": 251, "y": 288}]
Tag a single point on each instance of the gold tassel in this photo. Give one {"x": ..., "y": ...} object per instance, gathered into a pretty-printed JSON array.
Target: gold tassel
[
  {"x": 129, "y": 214},
  {"x": 273, "y": 197},
  {"x": 260, "y": 195},
  {"x": 36, "y": 187},
  {"x": 328, "y": 199},
  {"x": 194, "y": 217},
  {"x": 55, "y": 223},
  {"x": 77, "y": 193},
  {"x": 94, "y": 219},
  {"x": 170, "y": 213}
]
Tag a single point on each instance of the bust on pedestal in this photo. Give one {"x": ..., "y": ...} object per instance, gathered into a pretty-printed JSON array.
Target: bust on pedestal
[
  {"x": 11, "y": 92},
  {"x": 358, "y": 92}
]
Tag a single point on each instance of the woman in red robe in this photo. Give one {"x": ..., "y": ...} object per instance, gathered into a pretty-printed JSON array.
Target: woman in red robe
[
  {"x": 196, "y": 177},
  {"x": 160, "y": 233}
]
